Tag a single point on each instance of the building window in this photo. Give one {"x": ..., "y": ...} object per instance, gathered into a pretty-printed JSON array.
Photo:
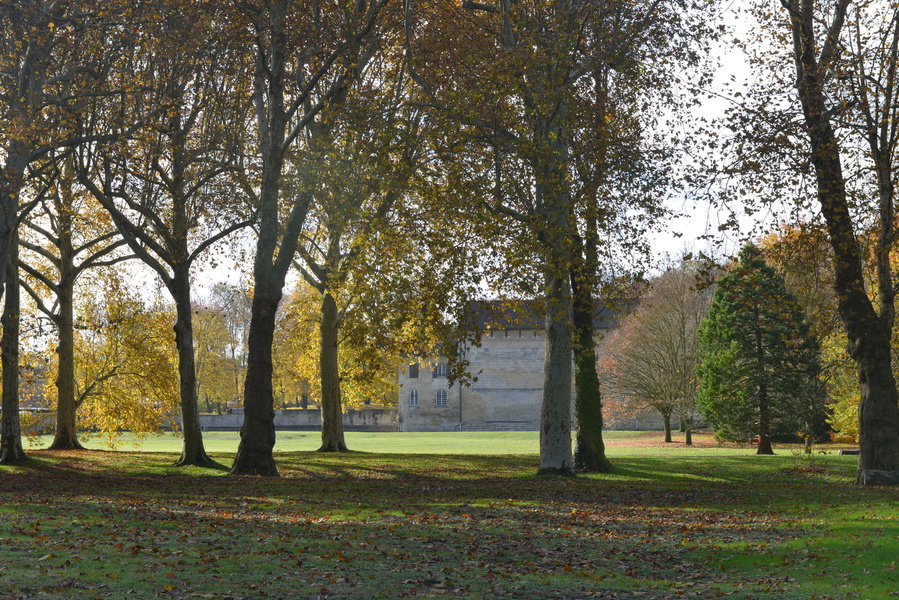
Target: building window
[
  {"x": 413, "y": 371},
  {"x": 440, "y": 370},
  {"x": 413, "y": 398},
  {"x": 441, "y": 398}
]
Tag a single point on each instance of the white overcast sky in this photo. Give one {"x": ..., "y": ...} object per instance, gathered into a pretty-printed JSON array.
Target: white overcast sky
[{"x": 698, "y": 219}]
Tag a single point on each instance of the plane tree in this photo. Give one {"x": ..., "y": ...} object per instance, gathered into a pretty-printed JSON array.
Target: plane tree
[
  {"x": 306, "y": 54},
  {"x": 169, "y": 185},
  {"x": 54, "y": 57},
  {"x": 515, "y": 81},
  {"x": 66, "y": 234},
  {"x": 623, "y": 168},
  {"x": 367, "y": 147}
]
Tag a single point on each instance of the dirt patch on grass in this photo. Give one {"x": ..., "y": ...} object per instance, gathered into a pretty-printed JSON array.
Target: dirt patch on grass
[{"x": 656, "y": 439}]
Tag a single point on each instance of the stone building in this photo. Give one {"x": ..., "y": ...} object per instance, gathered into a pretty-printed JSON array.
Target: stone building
[{"x": 506, "y": 388}]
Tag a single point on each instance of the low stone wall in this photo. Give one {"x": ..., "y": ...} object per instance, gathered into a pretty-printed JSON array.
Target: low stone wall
[{"x": 309, "y": 419}]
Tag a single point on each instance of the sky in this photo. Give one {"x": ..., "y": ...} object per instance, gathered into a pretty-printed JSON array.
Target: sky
[{"x": 695, "y": 218}]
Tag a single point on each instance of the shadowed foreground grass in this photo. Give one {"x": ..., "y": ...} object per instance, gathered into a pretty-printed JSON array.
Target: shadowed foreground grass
[{"x": 374, "y": 525}]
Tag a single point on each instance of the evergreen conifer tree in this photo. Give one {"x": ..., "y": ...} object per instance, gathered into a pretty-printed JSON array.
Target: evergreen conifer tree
[{"x": 759, "y": 363}]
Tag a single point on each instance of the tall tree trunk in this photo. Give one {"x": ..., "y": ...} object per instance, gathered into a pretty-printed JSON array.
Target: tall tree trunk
[
  {"x": 11, "y": 450},
  {"x": 868, "y": 331},
  {"x": 589, "y": 448},
  {"x": 66, "y": 436},
  {"x": 331, "y": 410},
  {"x": 192, "y": 451},
  {"x": 688, "y": 437},
  {"x": 555, "y": 416},
  {"x": 666, "y": 417},
  {"x": 257, "y": 435}
]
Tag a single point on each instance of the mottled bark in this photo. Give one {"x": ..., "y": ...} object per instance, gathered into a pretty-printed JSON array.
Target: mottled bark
[
  {"x": 11, "y": 451},
  {"x": 555, "y": 415},
  {"x": 12, "y": 177},
  {"x": 331, "y": 409}
]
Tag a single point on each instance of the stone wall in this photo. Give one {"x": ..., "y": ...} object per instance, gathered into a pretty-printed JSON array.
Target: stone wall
[{"x": 368, "y": 418}]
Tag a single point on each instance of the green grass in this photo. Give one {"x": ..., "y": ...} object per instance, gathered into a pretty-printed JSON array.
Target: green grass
[
  {"x": 469, "y": 442},
  {"x": 525, "y": 442},
  {"x": 668, "y": 523}
]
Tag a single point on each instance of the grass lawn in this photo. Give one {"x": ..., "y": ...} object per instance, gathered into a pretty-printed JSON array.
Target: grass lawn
[
  {"x": 468, "y": 442},
  {"x": 670, "y": 522}
]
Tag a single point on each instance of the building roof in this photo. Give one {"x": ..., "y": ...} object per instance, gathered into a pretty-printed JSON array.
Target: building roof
[{"x": 529, "y": 314}]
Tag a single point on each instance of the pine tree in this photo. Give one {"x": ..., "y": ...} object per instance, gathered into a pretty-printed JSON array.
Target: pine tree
[{"x": 759, "y": 362}]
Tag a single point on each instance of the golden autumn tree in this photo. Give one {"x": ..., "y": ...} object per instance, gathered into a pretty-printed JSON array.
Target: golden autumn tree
[
  {"x": 65, "y": 235},
  {"x": 169, "y": 185},
  {"x": 125, "y": 367}
]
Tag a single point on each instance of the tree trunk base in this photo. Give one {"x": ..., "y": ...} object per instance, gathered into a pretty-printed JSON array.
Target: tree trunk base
[
  {"x": 587, "y": 461},
  {"x": 333, "y": 447},
  {"x": 765, "y": 445},
  {"x": 200, "y": 460},
  {"x": 248, "y": 463},
  {"x": 555, "y": 472},
  {"x": 66, "y": 444},
  {"x": 12, "y": 457},
  {"x": 874, "y": 477}
]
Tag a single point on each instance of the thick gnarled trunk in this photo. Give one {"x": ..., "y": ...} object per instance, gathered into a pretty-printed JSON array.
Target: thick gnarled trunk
[
  {"x": 331, "y": 408},
  {"x": 877, "y": 410}
]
